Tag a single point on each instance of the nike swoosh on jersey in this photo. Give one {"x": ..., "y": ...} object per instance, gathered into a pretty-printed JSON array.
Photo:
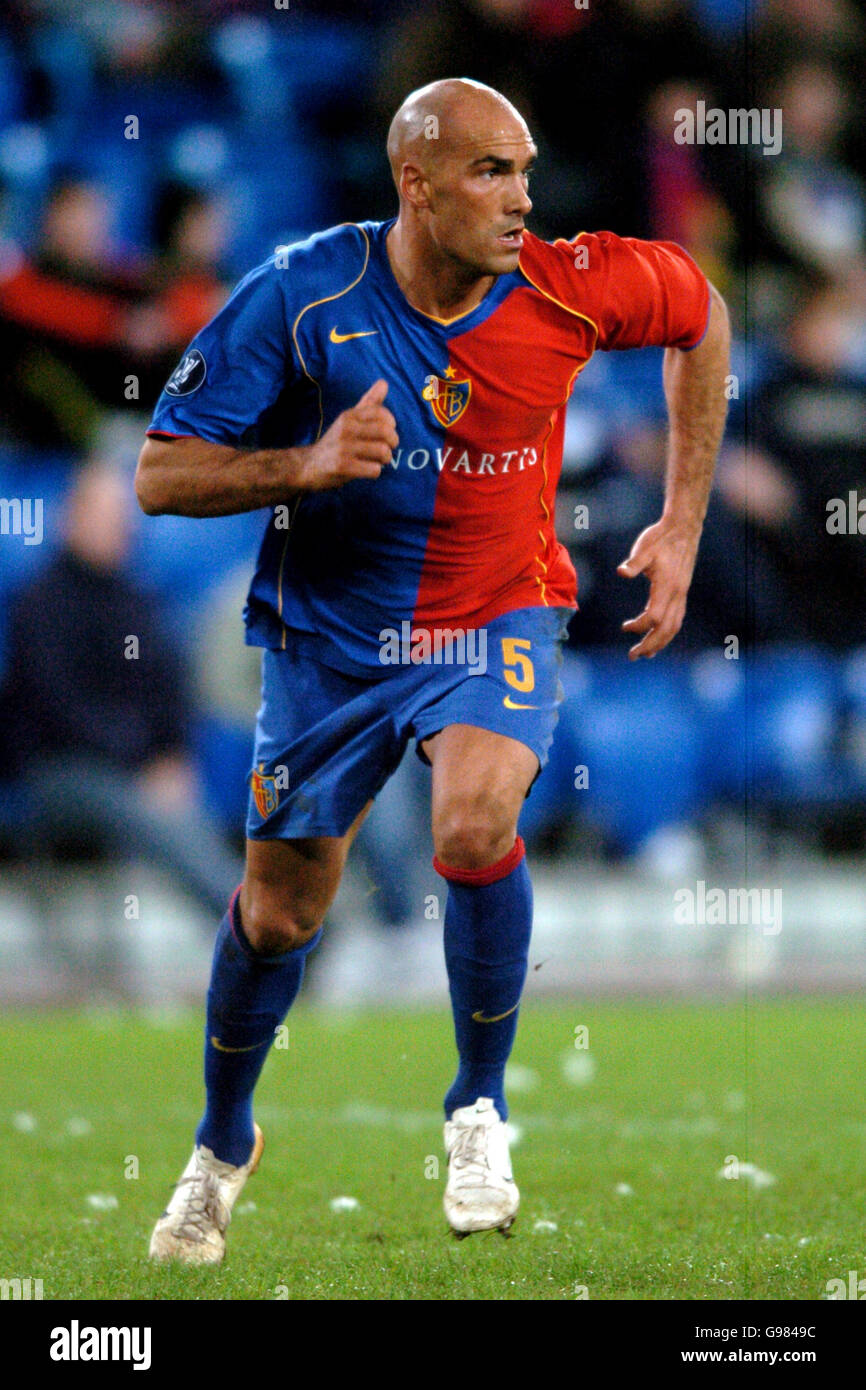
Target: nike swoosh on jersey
[
  {"x": 220, "y": 1048},
  {"x": 509, "y": 704},
  {"x": 344, "y": 337},
  {"x": 478, "y": 1016}
]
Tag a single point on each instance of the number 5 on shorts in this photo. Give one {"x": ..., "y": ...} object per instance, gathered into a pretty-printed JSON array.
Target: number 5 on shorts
[{"x": 524, "y": 678}]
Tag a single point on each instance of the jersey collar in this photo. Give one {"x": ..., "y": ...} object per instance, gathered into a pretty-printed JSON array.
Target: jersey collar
[{"x": 380, "y": 264}]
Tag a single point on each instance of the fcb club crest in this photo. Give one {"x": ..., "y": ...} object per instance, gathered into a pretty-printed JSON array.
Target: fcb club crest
[
  {"x": 448, "y": 398},
  {"x": 265, "y": 792}
]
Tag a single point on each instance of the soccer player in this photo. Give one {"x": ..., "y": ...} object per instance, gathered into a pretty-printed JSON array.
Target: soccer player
[{"x": 396, "y": 393}]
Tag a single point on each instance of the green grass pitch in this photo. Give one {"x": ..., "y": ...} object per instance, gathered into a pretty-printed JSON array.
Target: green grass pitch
[{"x": 618, "y": 1160}]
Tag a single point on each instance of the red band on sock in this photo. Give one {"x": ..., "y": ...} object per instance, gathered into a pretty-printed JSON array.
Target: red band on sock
[{"x": 477, "y": 878}]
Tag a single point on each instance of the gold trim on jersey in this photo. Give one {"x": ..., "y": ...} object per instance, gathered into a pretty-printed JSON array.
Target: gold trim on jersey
[
  {"x": 540, "y": 579},
  {"x": 443, "y": 322},
  {"x": 312, "y": 305},
  {"x": 553, "y": 299},
  {"x": 578, "y": 369},
  {"x": 327, "y": 300}
]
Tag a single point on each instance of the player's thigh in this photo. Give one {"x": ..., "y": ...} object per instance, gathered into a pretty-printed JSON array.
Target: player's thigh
[
  {"x": 480, "y": 781},
  {"x": 289, "y": 885}
]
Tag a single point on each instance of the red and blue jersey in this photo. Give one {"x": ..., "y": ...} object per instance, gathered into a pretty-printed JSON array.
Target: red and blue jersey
[{"x": 459, "y": 527}]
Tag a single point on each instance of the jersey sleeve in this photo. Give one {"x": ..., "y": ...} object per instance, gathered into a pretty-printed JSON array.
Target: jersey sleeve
[
  {"x": 235, "y": 367},
  {"x": 638, "y": 293}
]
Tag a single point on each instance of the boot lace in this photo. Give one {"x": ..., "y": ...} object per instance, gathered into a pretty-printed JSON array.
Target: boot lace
[
  {"x": 469, "y": 1156},
  {"x": 202, "y": 1209}
]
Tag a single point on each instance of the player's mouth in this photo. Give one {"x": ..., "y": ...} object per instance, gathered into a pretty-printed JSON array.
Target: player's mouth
[{"x": 513, "y": 240}]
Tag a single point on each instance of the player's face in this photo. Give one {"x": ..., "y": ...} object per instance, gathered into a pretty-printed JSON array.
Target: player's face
[{"x": 479, "y": 200}]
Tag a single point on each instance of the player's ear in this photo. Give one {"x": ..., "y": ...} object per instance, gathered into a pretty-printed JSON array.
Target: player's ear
[{"x": 414, "y": 186}]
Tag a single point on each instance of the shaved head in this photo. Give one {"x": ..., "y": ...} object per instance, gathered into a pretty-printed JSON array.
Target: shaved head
[
  {"x": 443, "y": 117},
  {"x": 461, "y": 155}
]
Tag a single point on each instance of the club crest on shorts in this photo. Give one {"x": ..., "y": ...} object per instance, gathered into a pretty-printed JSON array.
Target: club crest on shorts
[
  {"x": 265, "y": 793},
  {"x": 188, "y": 375},
  {"x": 448, "y": 398}
]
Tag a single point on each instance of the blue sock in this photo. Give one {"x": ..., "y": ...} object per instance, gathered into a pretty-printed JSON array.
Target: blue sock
[
  {"x": 248, "y": 998},
  {"x": 488, "y": 921}
]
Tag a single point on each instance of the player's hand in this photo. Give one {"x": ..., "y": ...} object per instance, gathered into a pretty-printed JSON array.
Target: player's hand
[
  {"x": 358, "y": 444},
  {"x": 665, "y": 552}
]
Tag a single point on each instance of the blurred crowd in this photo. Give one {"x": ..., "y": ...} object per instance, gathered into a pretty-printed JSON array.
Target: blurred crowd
[{"x": 152, "y": 151}]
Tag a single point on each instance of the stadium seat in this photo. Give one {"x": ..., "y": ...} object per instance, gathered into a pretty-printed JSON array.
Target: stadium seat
[
  {"x": 854, "y": 703},
  {"x": 277, "y": 70},
  {"x": 794, "y": 705},
  {"x": 266, "y": 206},
  {"x": 633, "y": 731},
  {"x": 25, "y": 163},
  {"x": 177, "y": 555},
  {"x": 770, "y": 721},
  {"x": 719, "y": 689}
]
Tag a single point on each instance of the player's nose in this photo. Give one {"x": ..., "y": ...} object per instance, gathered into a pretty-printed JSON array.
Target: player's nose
[{"x": 520, "y": 201}]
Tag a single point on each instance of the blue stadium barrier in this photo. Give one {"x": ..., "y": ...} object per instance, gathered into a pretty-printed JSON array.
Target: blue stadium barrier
[
  {"x": 179, "y": 554},
  {"x": 854, "y": 701},
  {"x": 770, "y": 721},
  {"x": 719, "y": 690},
  {"x": 794, "y": 702},
  {"x": 15, "y": 812},
  {"x": 626, "y": 753},
  {"x": 728, "y": 18}
]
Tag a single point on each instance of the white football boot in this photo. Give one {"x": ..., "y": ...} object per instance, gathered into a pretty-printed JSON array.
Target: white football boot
[
  {"x": 481, "y": 1194},
  {"x": 192, "y": 1228}
]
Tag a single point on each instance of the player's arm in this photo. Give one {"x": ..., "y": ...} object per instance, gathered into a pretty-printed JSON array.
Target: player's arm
[
  {"x": 192, "y": 477},
  {"x": 694, "y": 382}
]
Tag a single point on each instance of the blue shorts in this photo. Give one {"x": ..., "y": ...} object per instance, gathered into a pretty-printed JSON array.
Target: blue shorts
[{"x": 327, "y": 742}]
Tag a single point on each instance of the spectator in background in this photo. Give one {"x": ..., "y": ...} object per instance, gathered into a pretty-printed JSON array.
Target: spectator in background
[
  {"x": 67, "y": 319},
  {"x": 185, "y": 288},
  {"x": 63, "y": 316},
  {"x": 783, "y": 31},
  {"x": 94, "y": 716},
  {"x": 559, "y": 65},
  {"x": 190, "y": 229},
  {"x": 681, "y": 202},
  {"x": 77, "y": 320},
  {"x": 491, "y": 36},
  {"x": 813, "y": 206},
  {"x": 626, "y": 47},
  {"x": 492, "y": 41},
  {"x": 807, "y": 446},
  {"x": 738, "y": 584}
]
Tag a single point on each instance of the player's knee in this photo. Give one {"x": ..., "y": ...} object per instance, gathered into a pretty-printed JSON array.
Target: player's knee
[
  {"x": 273, "y": 928},
  {"x": 476, "y": 834}
]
